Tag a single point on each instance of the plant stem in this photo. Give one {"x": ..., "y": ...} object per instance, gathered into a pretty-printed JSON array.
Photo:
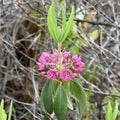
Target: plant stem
[{"x": 59, "y": 56}]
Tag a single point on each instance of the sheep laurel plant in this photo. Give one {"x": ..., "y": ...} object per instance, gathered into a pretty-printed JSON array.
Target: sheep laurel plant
[
  {"x": 3, "y": 115},
  {"x": 61, "y": 70}
]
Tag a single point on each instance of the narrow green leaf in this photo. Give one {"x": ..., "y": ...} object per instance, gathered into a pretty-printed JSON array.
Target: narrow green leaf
[
  {"x": 115, "y": 113},
  {"x": 108, "y": 114},
  {"x": 67, "y": 89},
  {"x": 63, "y": 18},
  {"x": 78, "y": 93},
  {"x": 69, "y": 25},
  {"x": 1, "y": 108},
  {"x": 10, "y": 110},
  {"x": 3, "y": 115},
  {"x": 46, "y": 97},
  {"x": 59, "y": 33},
  {"x": 60, "y": 103},
  {"x": 52, "y": 23},
  {"x": 63, "y": 23},
  {"x": 50, "y": 27}
]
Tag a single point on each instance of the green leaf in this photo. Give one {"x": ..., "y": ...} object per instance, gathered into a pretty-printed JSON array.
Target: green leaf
[
  {"x": 10, "y": 111},
  {"x": 54, "y": 20},
  {"x": 1, "y": 108},
  {"x": 67, "y": 89},
  {"x": 115, "y": 113},
  {"x": 78, "y": 93},
  {"x": 60, "y": 103},
  {"x": 50, "y": 26},
  {"x": 70, "y": 106},
  {"x": 63, "y": 24},
  {"x": 52, "y": 23},
  {"x": 55, "y": 85},
  {"x": 69, "y": 25},
  {"x": 94, "y": 35},
  {"x": 46, "y": 97},
  {"x": 58, "y": 34},
  {"x": 108, "y": 114},
  {"x": 63, "y": 18},
  {"x": 3, "y": 115}
]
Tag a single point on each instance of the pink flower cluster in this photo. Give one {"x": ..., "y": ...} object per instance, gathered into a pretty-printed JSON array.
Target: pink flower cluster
[{"x": 68, "y": 68}]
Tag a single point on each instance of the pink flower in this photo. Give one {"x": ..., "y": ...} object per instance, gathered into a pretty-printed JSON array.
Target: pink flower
[
  {"x": 49, "y": 66},
  {"x": 76, "y": 59},
  {"x": 66, "y": 56},
  {"x": 44, "y": 58},
  {"x": 45, "y": 54},
  {"x": 53, "y": 57},
  {"x": 52, "y": 74},
  {"x": 78, "y": 63},
  {"x": 79, "y": 69},
  {"x": 41, "y": 66},
  {"x": 42, "y": 73},
  {"x": 75, "y": 75},
  {"x": 66, "y": 74}
]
